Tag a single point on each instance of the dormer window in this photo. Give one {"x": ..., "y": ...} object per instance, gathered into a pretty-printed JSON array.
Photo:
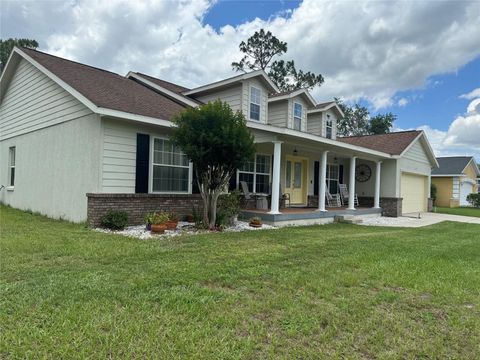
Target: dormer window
[
  {"x": 329, "y": 127},
  {"x": 297, "y": 116},
  {"x": 255, "y": 101}
]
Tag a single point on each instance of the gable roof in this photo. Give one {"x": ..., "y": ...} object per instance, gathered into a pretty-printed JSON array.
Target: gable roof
[
  {"x": 168, "y": 89},
  {"x": 394, "y": 143},
  {"x": 103, "y": 88},
  {"x": 229, "y": 81},
  {"x": 324, "y": 106},
  {"x": 453, "y": 165},
  {"x": 272, "y": 97},
  {"x": 164, "y": 84}
]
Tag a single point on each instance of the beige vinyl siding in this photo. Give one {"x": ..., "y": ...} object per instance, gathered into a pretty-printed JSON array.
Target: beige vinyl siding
[
  {"x": 333, "y": 117},
  {"x": 277, "y": 113},
  {"x": 232, "y": 96},
  {"x": 34, "y": 101},
  {"x": 314, "y": 123},
  {"x": 246, "y": 99},
  {"x": 119, "y": 157},
  {"x": 304, "y": 112},
  {"x": 417, "y": 153}
]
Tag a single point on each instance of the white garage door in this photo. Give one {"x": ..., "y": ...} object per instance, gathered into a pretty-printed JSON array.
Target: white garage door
[
  {"x": 414, "y": 193},
  {"x": 465, "y": 189}
]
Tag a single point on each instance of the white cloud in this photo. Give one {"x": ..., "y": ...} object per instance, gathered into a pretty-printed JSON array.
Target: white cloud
[
  {"x": 475, "y": 93},
  {"x": 364, "y": 49},
  {"x": 403, "y": 102},
  {"x": 462, "y": 136}
]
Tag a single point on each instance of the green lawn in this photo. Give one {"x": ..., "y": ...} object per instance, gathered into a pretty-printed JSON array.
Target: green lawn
[
  {"x": 464, "y": 211},
  {"x": 333, "y": 291}
]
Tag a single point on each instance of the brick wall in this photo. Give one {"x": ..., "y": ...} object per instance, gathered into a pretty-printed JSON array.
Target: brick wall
[
  {"x": 391, "y": 206},
  {"x": 138, "y": 205}
]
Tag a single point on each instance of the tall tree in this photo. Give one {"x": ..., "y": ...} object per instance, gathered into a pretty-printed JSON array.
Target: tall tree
[
  {"x": 260, "y": 50},
  {"x": 218, "y": 142},
  {"x": 357, "y": 121},
  {"x": 6, "y": 47},
  {"x": 381, "y": 123}
]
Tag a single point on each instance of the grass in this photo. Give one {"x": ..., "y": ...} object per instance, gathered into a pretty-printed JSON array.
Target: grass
[
  {"x": 463, "y": 211},
  {"x": 332, "y": 291}
]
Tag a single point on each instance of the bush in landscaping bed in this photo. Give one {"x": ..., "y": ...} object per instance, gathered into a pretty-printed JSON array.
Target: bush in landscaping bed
[
  {"x": 115, "y": 220},
  {"x": 474, "y": 200},
  {"x": 228, "y": 208}
]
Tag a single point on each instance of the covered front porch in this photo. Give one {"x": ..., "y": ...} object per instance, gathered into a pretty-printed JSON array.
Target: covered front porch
[{"x": 294, "y": 178}]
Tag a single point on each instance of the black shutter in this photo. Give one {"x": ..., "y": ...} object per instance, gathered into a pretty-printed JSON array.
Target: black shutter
[
  {"x": 195, "y": 189},
  {"x": 142, "y": 163},
  {"x": 316, "y": 170},
  {"x": 340, "y": 174}
]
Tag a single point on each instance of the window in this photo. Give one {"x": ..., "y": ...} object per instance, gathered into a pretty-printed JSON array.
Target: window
[
  {"x": 255, "y": 101},
  {"x": 171, "y": 168},
  {"x": 297, "y": 116},
  {"x": 256, "y": 174},
  {"x": 11, "y": 164},
  {"x": 332, "y": 178},
  {"x": 329, "y": 127}
]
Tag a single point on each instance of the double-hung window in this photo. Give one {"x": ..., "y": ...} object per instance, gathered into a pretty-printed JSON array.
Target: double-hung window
[
  {"x": 256, "y": 173},
  {"x": 255, "y": 101},
  {"x": 171, "y": 168},
  {"x": 297, "y": 116},
  {"x": 11, "y": 166},
  {"x": 332, "y": 178},
  {"x": 328, "y": 127}
]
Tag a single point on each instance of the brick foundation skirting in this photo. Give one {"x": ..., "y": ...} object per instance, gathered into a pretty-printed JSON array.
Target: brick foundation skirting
[
  {"x": 391, "y": 206},
  {"x": 138, "y": 205}
]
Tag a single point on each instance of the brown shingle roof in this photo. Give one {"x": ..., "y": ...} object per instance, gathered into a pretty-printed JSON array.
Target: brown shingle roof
[
  {"x": 392, "y": 143},
  {"x": 322, "y": 105},
  {"x": 165, "y": 84},
  {"x": 107, "y": 89}
]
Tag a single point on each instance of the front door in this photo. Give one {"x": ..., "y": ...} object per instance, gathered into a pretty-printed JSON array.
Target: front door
[{"x": 296, "y": 179}]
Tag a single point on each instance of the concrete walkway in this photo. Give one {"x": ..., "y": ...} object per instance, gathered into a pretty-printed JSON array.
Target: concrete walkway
[{"x": 424, "y": 220}]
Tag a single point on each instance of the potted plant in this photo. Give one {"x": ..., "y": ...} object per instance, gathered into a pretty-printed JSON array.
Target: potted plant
[
  {"x": 149, "y": 220},
  {"x": 255, "y": 222},
  {"x": 172, "y": 221},
  {"x": 159, "y": 222}
]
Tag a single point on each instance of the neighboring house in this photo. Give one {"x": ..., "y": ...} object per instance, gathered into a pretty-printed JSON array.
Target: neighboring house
[
  {"x": 455, "y": 178},
  {"x": 71, "y": 132}
]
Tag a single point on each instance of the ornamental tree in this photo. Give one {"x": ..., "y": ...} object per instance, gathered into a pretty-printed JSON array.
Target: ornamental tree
[{"x": 218, "y": 142}]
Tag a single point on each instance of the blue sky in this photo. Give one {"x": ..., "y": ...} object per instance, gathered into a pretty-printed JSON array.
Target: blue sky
[{"x": 435, "y": 104}]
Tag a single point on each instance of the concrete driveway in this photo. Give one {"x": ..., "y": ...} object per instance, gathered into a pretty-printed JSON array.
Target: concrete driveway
[{"x": 412, "y": 220}]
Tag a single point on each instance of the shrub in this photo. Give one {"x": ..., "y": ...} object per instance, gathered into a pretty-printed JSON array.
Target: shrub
[
  {"x": 160, "y": 218},
  {"x": 228, "y": 208},
  {"x": 474, "y": 200},
  {"x": 115, "y": 219},
  {"x": 433, "y": 193}
]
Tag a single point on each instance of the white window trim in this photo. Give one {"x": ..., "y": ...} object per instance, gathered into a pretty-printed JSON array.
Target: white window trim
[
  {"x": 255, "y": 173},
  {"x": 301, "y": 116},
  {"x": 150, "y": 170},
  {"x": 250, "y": 102},
  {"x": 329, "y": 172},
  {"x": 327, "y": 120},
  {"x": 11, "y": 186}
]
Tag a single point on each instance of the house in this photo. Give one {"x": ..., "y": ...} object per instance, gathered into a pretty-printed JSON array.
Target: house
[
  {"x": 76, "y": 140},
  {"x": 455, "y": 178}
]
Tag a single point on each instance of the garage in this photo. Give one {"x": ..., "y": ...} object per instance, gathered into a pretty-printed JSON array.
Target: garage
[
  {"x": 466, "y": 188},
  {"x": 414, "y": 193}
]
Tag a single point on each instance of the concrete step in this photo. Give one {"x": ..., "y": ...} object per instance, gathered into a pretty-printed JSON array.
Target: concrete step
[{"x": 348, "y": 219}]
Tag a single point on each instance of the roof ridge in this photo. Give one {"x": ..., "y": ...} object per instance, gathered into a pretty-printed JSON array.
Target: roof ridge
[
  {"x": 72, "y": 61},
  {"x": 155, "y": 77},
  {"x": 390, "y": 133}
]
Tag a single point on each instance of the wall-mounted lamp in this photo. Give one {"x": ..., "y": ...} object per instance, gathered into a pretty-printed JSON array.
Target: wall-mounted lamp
[{"x": 295, "y": 152}]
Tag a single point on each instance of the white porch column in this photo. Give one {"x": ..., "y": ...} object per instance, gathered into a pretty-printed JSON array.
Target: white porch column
[
  {"x": 376, "y": 199},
  {"x": 351, "y": 184},
  {"x": 322, "y": 183},
  {"x": 277, "y": 152}
]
